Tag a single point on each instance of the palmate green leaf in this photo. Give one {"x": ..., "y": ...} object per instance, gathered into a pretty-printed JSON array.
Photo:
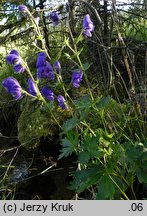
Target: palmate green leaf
[
  {"x": 83, "y": 103},
  {"x": 84, "y": 157},
  {"x": 67, "y": 148},
  {"x": 83, "y": 179},
  {"x": 69, "y": 144},
  {"x": 106, "y": 188},
  {"x": 70, "y": 123}
]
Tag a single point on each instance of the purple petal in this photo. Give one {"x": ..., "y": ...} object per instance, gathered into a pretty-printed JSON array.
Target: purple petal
[
  {"x": 45, "y": 71},
  {"x": 32, "y": 87},
  {"x": 62, "y": 103},
  {"x": 77, "y": 78},
  {"x": 47, "y": 93},
  {"x": 54, "y": 17},
  {"x": 13, "y": 87},
  {"x": 22, "y": 8},
  {"x": 88, "y": 26},
  {"x": 14, "y": 52},
  {"x": 41, "y": 61},
  {"x": 57, "y": 66},
  {"x": 19, "y": 68},
  {"x": 87, "y": 33},
  {"x": 13, "y": 57}
]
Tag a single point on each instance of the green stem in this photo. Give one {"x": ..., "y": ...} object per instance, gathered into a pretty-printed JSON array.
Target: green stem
[
  {"x": 85, "y": 76},
  {"x": 132, "y": 191},
  {"x": 75, "y": 51},
  {"x": 122, "y": 192},
  {"x": 35, "y": 25}
]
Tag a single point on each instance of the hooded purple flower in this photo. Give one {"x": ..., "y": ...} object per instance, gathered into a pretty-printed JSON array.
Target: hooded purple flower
[
  {"x": 32, "y": 87},
  {"x": 13, "y": 87},
  {"x": 77, "y": 78},
  {"x": 54, "y": 17},
  {"x": 44, "y": 69},
  {"x": 15, "y": 59},
  {"x": 22, "y": 8},
  {"x": 41, "y": 61},
  {"x": 47, "y": 93},
  {"x": 57, "y": 66},
  {"x": 62, "y": 103},
  {"x": 88, "y": 26}
]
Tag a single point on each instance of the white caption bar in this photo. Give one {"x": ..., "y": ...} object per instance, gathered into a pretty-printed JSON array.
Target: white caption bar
[{"x": 73, "y": 208}]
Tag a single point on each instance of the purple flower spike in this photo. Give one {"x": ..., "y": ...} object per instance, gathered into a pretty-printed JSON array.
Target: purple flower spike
[
  {"x": 54, "y": 17},
  {"x": 57, "y": 66},
  {"x": 47, "y": 93},
  {"x": 22, "y": 8},
  {"x": 88, "y": 26},
  {"x": 41, "y": 61},
  {"x": 13, "y": 87},
  {"x": 77, "y": 78},
  {"x": 32, "y": 87},
  {"x": 62, "y": 103}
]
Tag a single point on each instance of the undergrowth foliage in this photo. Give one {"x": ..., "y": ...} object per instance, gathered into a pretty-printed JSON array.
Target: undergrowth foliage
[{"x": 106, "y": 133}]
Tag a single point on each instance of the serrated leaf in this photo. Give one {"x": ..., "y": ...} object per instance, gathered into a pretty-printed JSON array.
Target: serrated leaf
[
  {"x": 106, "y": 188},
  {"x": 90, "y": 143},
  {"x": 84, "y": 157},
  {"x": 85, "y": 178},
  {"x": 67, "y": 148},
  {"x": 86, "y": 66},
  {"x": 70, "y": 123}
]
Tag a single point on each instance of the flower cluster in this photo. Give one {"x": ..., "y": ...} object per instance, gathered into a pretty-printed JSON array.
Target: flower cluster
[
  {"x": 15, "y": 59},
  {"x": 88, "y": 26},
  {"x": 44, "y": 69}
]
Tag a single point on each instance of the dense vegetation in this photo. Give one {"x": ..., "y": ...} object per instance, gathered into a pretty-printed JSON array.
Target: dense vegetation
[{"x": 73, "y": 100}]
